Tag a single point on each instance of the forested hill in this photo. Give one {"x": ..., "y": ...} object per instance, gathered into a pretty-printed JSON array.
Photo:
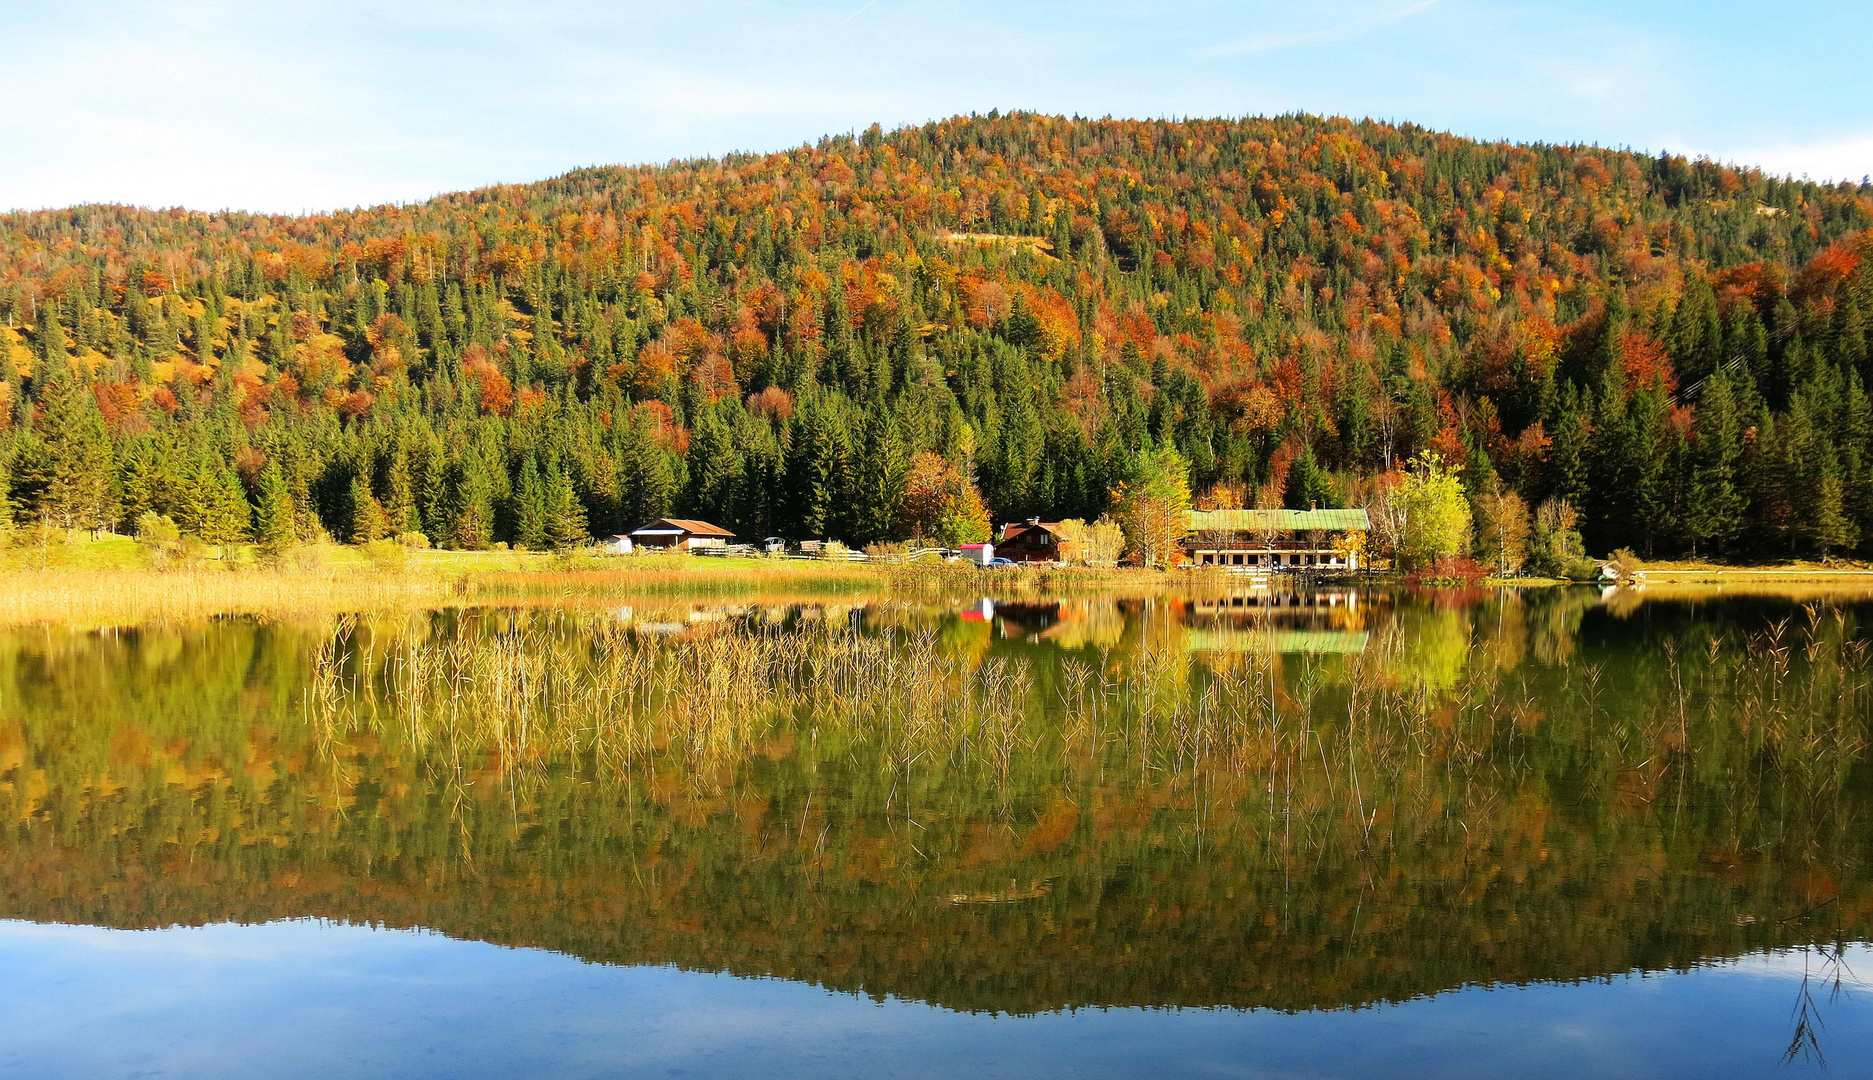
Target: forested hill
[{"x": 840, "y": 340}]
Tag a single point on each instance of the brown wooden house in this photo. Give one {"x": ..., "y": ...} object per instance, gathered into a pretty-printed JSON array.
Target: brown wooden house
[{"x": 1032, "y": 540}]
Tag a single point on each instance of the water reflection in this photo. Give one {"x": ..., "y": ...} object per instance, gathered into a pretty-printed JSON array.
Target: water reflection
[
  {"x": 310, "y": 1000},
  {"x": 1252, "y": 800}
]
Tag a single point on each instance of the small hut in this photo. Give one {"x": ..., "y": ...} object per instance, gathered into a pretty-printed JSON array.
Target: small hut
[{"x": 680, "y": 534}]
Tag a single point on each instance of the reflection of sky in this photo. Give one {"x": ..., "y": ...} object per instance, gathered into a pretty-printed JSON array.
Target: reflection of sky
[{"x": 307, "y": 999}]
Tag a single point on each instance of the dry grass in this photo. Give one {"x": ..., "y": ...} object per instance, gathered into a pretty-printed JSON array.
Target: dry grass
[
  {"x": 132, "y": 597},
  {"x": 342, "y": 581}
]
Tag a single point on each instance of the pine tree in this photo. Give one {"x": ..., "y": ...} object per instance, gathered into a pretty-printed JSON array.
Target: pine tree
[
  {"x": 1569, "y": 454},
  {"x": 715, "y": 470},
  {"x": 1714, "y": 505},
  {"x": 647, "y": 478},
  {"x": 224, "y": 516},
  {"x": 565, "y": 515},
  {"x": 1827, "y": 526},
  {"x": 878, "y": 479},
  {"x": 1308, "y": 485},
  {"x": 368, "y": 520},
  {"x": 528, "y": 507},
  {"x": 273, "y": 512},
  {"x": 819, "y": 472},
  {"x": 79, "y": 491},
  {"x": 55, "y": 362}
]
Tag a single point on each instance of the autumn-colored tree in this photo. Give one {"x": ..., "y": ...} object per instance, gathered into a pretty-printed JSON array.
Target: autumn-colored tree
[
  {"x": 1502, "y": 530},
  {"x": 1152, "y": 506},
  {"x": 941, "y": 504},
  {"x": 720, "y": 341}
]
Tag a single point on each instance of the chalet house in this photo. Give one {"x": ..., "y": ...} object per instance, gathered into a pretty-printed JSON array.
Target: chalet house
[
  {"x": 1272, "y": 540},
  {"x": 681, "y": 533},
  {"x": 1032, "y": 540}
]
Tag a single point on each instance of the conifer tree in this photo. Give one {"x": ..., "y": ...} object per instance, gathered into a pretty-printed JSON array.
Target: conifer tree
[
  {"x": 1714, "y": 504},
  {"x": 879, "y": 478},
  {"x": 77, "y": 450},
  {"x": 715, "y": 470},
  {"x": 1308, "y": 485},
  {"x": 565, "y": 516},
  {"x": 368, "y": 520},
  {"x": 528, "y": 503},
  {"x": 223, "y": 516},
  {"x": 273, "y": 512}
]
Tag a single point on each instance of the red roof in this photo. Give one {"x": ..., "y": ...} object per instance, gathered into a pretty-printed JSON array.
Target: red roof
[
  {"x": 688, "y": 525},
  {"x": 1018, "y": 528}
]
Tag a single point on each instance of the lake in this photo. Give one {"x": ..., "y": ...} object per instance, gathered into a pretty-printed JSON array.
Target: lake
[{"x": 1294, "y": 833}]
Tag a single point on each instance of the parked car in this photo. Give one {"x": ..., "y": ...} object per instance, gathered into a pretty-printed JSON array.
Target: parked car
[{"x": 998, "y": 562}]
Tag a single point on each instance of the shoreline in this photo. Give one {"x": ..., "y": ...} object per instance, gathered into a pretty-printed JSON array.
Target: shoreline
[{"x": 117, "y": 582}]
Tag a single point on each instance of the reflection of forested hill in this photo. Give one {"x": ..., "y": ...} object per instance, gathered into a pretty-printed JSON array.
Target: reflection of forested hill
[{"x": 174, "y": 777}]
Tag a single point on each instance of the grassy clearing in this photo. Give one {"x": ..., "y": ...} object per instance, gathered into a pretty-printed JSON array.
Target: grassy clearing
[{"x": 1795, "y": 573}]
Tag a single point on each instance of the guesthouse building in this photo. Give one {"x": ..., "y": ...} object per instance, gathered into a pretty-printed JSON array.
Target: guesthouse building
[{"x": 1272, "y": 541}]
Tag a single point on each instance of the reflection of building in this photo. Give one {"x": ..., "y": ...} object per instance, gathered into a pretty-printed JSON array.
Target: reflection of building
[
  {"x": 1324, "y": 621},
  {"x": 1238, "y": 603},
  {"x": 1271, "y": 640},
  {"x": 1271, "y": 540}
]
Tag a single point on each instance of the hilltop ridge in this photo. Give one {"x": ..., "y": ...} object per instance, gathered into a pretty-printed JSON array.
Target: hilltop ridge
[{"x": 983, "y": 318}]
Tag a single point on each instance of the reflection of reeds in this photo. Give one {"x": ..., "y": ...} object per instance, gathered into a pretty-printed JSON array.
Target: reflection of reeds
[{"x": 520, "y": 691}]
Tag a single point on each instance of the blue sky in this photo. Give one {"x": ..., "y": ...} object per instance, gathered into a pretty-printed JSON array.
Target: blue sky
[{"x": 333, "y": 103}]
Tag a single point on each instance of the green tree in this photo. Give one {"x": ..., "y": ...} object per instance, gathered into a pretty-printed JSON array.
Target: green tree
[
  {"x": 1152, "y": 505},
  {"x": 1436, "y": 513},
  {"x": 528, "y": 507},
  {"x": 565, "y": 515},
  {"x": 878, "y": 479},
  {"x": 273, "y": 512},
  {"x": 224, "y": 516},
  {"x": 1714, "y": 506},
  {"x": 77, "y": 451},
  {"x": 1308, "y": 485},
  {"x": 368, "y": 520}
]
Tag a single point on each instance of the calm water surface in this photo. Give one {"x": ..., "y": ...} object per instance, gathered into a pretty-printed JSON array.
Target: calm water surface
[{"x": 1322, "y": 833}]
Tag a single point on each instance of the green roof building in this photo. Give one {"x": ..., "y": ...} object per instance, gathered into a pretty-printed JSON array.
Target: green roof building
[{"x": 1268, "y": 541}]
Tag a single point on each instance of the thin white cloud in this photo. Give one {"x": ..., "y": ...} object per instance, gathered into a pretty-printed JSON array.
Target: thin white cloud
[
  {"x": 1849, "y": 159},
  {"x": 1341, "y": 32}
]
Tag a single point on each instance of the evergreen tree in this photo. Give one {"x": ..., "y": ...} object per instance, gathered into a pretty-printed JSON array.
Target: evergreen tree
[
  {"x": 1714, "y": 504},
  {"x": 223, "y": 516},
  {"x": 1308, "y": 485},
  {"x": 715, "y": 470},
  {"x": 273, "y": 512},
  {"x": 529, "y": 512},
  {"x": 79, "y": 462},
  {"x": 878, "y": 479},
  {"x": 368, "y": 520},
  {"x": 565, "y": 515}
]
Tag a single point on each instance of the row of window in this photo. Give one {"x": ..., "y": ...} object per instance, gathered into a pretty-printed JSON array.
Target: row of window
[{"x": 1243, "y": 558}]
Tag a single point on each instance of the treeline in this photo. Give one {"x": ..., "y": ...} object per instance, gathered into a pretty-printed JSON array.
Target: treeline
[{"x": 983, "y": 319}]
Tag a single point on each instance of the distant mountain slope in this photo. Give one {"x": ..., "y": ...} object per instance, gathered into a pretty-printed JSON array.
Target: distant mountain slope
[{"x": 834, "y": 340}]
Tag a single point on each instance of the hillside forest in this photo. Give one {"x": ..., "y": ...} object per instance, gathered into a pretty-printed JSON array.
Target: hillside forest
[{"x": 922, "y": 332}]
